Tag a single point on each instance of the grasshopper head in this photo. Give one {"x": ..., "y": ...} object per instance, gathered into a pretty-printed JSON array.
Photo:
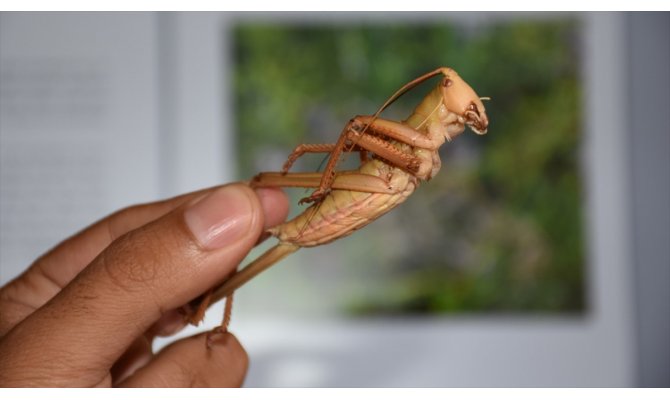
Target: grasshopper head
[{"x": 462, "y": 100}]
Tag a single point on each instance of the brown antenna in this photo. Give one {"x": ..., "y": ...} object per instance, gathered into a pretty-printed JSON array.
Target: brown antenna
[{"x": 407, "y": 87}]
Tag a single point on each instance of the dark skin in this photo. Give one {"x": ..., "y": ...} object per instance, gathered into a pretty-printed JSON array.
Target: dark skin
[{"x": 86, "y": 313}]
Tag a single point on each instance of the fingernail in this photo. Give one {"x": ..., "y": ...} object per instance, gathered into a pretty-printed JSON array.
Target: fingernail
[{"x": 220, "y": 218}]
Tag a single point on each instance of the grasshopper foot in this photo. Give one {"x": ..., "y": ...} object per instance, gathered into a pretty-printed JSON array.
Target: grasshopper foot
[
  {"x": 315, "y": 197},
  {"x": 194, "y": 312},
  {"x": 218, "y": 333}
]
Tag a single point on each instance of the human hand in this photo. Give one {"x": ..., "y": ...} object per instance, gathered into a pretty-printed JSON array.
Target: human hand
[{"x": 85, "y": 313}]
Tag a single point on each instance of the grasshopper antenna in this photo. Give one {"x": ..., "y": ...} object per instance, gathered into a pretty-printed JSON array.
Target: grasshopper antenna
[
  {"x": 410, "y": 85},
  {"x": 407, "y": 87}
]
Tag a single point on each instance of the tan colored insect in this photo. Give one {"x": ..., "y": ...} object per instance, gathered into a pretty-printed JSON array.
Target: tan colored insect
[{"x": 395, "y": 157}]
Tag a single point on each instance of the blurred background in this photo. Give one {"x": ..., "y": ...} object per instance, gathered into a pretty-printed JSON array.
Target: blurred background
[
  {"x": 537, "y": 257},
  {"x": 501, "y": 228}
]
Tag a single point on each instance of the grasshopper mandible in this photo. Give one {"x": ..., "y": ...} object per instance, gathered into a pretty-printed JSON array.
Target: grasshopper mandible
[{"x": 394, "y": 158}]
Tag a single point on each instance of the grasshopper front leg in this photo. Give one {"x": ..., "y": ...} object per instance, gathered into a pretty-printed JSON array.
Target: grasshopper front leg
[
  {"x": 376, "y": 135},
  {"x": 302, "y": 149}
]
